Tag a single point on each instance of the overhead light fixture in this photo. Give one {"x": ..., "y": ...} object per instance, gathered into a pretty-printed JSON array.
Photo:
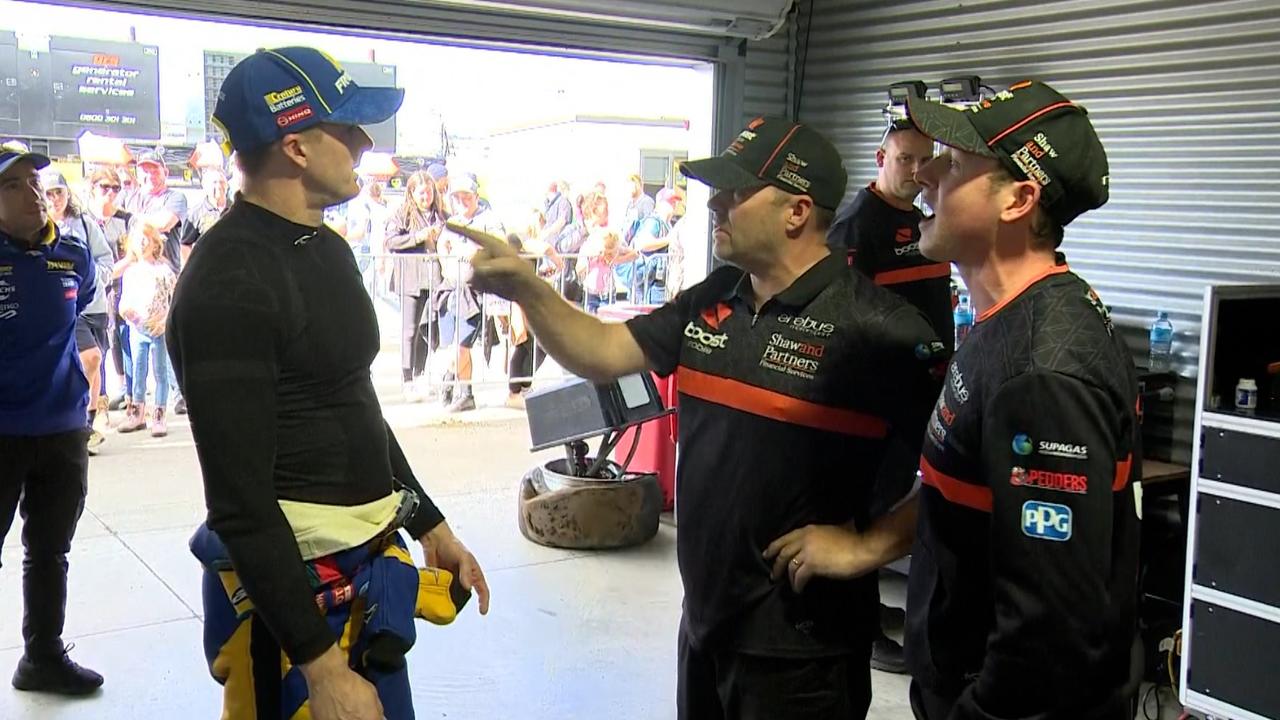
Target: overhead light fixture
[
  {"x": 960, "y": 89},
  {"x": 751, "y": 19},
  {"x": 900, "y": 91}
]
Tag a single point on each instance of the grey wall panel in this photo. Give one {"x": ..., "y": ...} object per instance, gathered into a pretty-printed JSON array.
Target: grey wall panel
[
  {"x": 1184, "y": 94},
  {"x": 456, "y": 24},
  {"x": 769, "y": 76}
]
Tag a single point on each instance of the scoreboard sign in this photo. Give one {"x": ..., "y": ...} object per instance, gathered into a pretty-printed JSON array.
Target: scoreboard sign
[
  {"x": 111, "y": 88},
  {"x": 10, "y": 119}
]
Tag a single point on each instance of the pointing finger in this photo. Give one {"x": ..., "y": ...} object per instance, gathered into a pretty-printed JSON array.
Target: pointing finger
[{"x": 483, "y": 239}]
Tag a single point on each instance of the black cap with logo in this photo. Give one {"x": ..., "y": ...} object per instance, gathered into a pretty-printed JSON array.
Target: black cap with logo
[
  {"x": 773, "y": 151},
  {"x": 1037, "y": 134}
]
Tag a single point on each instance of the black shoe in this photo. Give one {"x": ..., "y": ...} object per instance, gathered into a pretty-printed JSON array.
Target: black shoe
[
  {"x": 59, "y": 675},
  {"x": 117, "y": 403},
  {"x": 180, "y": 407},
  {"x": 892, "y": 618},
  {"x": 887, "y": 656}
]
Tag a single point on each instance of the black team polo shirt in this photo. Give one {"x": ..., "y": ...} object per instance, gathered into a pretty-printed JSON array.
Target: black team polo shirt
[
  {"x": 784, "y": 418},
  {"x": 883, "y": 242}
]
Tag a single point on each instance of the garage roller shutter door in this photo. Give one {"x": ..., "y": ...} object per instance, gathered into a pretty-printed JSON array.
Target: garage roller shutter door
[{"x": 1183, "y": 94}]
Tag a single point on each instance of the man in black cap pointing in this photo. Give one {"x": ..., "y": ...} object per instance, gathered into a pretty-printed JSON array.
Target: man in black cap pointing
[
  {"x": 794, "y": 373},
  {"x": 1022, "y": 600}
]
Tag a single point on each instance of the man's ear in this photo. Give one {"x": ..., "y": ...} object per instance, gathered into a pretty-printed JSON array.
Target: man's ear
[
  {"x": 1020, "y": 199},
  {"x": 799, "y": 211},
  {"x": 880, "y": 157},
  {"x": 295, "y": 148}
]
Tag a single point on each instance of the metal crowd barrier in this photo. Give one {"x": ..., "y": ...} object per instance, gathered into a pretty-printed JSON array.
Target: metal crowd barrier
[{"x": 643, "y": 281}]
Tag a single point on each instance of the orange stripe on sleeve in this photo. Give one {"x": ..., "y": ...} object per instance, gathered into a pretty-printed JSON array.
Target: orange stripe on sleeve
[
  {"x": 1123, "y": 470},
  {"x": 905, "y": 275},
  {"x": 955, "y": 490},
  {"x": 778, "y": 406}
]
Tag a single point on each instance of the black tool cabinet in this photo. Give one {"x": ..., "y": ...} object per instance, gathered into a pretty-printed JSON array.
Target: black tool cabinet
[{"x": 1231, "y": 607}]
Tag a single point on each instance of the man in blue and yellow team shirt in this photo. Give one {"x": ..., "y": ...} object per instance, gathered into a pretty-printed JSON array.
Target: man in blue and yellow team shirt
[{"x": 46, "y": 280}]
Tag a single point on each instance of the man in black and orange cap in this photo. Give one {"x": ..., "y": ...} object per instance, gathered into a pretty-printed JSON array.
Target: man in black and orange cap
[
  {"x": 1022, "y": 598},
  {"x": 794, "y": 374}
]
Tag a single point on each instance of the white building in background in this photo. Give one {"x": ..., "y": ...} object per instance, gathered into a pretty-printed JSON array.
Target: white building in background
[{"x": 516, "y": 163}]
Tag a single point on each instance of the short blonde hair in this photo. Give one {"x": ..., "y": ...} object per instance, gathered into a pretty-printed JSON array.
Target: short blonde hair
[
  {"x": 145, "y": 238},
  {"x": 605, "y": 238}
]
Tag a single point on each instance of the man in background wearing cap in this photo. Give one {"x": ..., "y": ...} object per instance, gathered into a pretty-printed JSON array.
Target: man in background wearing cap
[
  {"x": 155, "y": 203},
  {"x": 1022, "y": 596},
  {"x": 880, "y": 232},
  {"x": 159, "y": 205},
  {"x": 794, "y": 372},
  {"x": 46, "y": 281},
  {"x": 273, "y": 340}
]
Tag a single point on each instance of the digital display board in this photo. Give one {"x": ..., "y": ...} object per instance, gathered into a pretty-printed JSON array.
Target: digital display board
[
  {"x": 10, "y": 105},
  {"x": 110, "y": 88}
]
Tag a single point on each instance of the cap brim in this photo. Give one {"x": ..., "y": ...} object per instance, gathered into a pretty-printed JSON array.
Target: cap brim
[
  {"x": 720, "y": 173},
  {"x": 368, "y": 106},
  {"x": 947, "y": 125},
  {"x": 39, "y": 161}
]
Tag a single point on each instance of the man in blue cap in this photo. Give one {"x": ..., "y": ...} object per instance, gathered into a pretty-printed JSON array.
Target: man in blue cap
[
  {"x": 46, "y": 281},
  {"x": 273, "y": 340}
]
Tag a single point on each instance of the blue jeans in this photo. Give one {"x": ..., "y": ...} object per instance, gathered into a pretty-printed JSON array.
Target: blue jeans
[
  {"x": 148, "y": 348},
  {"x": 595, "y": 301}
]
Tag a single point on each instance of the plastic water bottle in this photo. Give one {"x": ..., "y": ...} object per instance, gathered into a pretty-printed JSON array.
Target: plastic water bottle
[
  {"x": 1160, "y": 358},
  {"x": 963, "y": 316}
]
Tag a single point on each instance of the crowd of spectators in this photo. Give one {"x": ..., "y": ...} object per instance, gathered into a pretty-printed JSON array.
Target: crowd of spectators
[
  {"x": 141, "y": 230},
  {"x": 416, "y": 267}
]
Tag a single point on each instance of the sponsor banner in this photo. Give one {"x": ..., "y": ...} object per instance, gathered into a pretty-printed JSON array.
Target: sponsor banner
[{"x": 110, "y": 88}]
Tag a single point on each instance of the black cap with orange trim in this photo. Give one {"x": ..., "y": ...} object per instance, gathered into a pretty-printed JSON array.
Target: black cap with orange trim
[
  {"x": 1037, "y": 134},
  {"x": 774, "y": 151}
]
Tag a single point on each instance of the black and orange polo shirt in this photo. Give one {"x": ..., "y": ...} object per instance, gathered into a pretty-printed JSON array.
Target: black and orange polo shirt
[
  {"x": 1022, "y": 600},
  {"x": 883, "y": 242},
  {"x": 785, "y": 412}
]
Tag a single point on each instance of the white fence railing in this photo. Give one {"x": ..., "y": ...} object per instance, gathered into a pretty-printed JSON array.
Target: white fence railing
[{"x": 436, "y": 287}]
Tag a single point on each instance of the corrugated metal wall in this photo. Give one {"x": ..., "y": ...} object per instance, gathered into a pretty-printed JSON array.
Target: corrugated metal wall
[
  {"x": 769, "y": 76},
  {"x": 1185, "y": 96},
  {"x": 454, "y": 24}
]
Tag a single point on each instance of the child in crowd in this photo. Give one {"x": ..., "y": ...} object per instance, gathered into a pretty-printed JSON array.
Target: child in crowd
[
  {"x": 602, "y": 251},
  {"x": 147, "y": 283}
]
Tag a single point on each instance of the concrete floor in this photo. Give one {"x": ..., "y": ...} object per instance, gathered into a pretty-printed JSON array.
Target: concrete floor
[{"x": 569, "y": 635}]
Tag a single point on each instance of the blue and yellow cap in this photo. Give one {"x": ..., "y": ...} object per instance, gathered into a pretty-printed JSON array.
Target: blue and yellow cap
[
  {"x": 286, "y": 90},
  {"x": 12, "y": 155}
]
